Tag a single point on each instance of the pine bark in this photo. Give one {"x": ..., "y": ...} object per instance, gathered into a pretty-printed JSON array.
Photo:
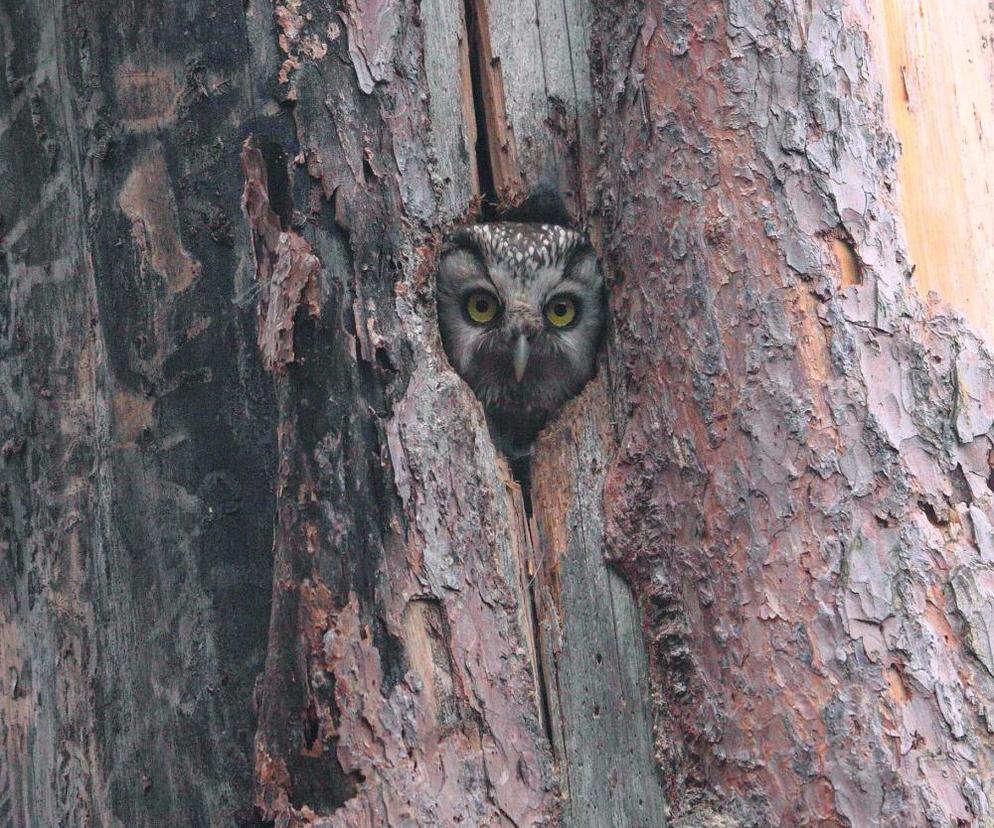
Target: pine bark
[
  {"x": 259, "y": 561},
  {"x": 802, "y": 494}
]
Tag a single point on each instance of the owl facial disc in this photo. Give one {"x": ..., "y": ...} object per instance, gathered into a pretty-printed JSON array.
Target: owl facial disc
[{"x": 521, "y": 312}]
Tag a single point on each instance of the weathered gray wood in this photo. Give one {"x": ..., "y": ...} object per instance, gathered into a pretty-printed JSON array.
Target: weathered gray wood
[
  {"x": 594, "y": 656},
  {"x": 452, "y": 120},
  {"x": 541, "y": 112}
]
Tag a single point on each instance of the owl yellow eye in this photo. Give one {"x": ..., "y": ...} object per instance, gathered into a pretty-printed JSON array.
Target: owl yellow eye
[
  {"x": 560, "y": 311},
  {"x": 482, "y": 307}
]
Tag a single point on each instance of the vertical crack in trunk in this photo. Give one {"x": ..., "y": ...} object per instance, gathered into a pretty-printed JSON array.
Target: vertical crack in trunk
[
  {"x": 496, "y": 154},
  {"x": 476, "y": 34},
  {"x": 496, "y": 169},
  {"x": 533, "y": 562}
]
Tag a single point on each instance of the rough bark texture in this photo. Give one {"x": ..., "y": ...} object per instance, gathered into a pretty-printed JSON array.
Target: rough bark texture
[
  {"x": 259, "y": 562},
  {"x": 137, "y": 426},
  {"x": 802, "y": 495}
]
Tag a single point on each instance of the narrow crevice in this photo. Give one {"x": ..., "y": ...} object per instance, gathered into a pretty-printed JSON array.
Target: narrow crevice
[
  {"x": 521, "y": 470},
  {"x": 277, "y": 180},
  {"x": 486, "y": 112},
  {"x": 541, "y": 683},
  {"x": 481, "y": 109}
]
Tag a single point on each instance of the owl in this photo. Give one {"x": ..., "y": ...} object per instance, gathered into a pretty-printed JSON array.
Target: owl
[{"x": 521, "y": 312}]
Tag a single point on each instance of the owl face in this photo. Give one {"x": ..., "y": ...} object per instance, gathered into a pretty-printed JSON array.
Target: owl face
[{"x": 521, "y": 312}]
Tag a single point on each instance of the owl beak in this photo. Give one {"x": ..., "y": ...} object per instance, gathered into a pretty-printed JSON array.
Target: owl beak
[{"x": 521, "y": 348}]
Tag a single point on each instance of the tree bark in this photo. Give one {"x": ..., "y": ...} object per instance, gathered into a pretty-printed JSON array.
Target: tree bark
[
  {"x": 802, "y": 494},
  {"x": 259, "y": 561},
  {"x": 138, "y": 428}
]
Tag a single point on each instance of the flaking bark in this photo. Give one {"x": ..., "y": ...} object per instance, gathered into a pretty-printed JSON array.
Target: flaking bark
[
  {"x": 802, "y": 494},
  {"x": 259, "y": 561}
]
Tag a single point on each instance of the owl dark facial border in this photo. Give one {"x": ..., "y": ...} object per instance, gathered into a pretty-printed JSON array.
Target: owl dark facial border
[{"x": 521, "y": 312}]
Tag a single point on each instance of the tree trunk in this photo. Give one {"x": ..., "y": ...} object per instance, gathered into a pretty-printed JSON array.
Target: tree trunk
[
  {"x": 802, "y": 494},
  {"x": 260, "y": 563}
]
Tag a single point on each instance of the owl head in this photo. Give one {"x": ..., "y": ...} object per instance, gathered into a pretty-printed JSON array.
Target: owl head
[{"x": 521, "y": 312}]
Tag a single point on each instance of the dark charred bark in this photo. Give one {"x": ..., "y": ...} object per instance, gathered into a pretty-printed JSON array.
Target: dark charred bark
[
  {"x": 259, "y": 562},
  {"x": 137, "y": 425}
]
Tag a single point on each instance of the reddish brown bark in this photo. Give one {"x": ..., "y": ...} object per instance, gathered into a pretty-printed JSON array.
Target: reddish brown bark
[
  {"x": 259, "y": 561},
  {"x": 801, "y": 496}
]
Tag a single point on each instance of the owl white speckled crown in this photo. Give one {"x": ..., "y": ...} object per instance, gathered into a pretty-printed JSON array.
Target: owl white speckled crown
[{"x": 530, "y": 245}]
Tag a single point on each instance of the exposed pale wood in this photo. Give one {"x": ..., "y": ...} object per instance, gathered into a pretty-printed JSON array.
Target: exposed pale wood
[
  {"x": 501, "y": 145},
  {"x": 936, "y": 64}
]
